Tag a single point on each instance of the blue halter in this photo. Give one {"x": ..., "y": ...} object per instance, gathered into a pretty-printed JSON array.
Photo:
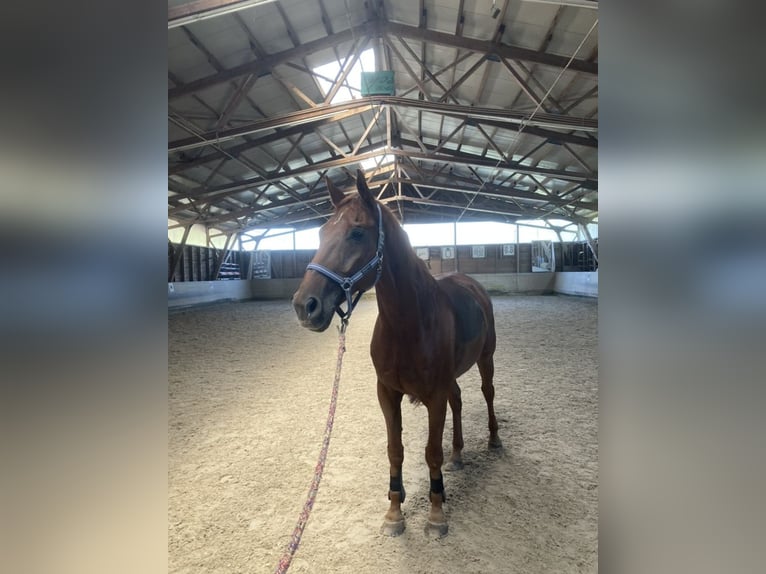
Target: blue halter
[{"x": 347, "y": 283}]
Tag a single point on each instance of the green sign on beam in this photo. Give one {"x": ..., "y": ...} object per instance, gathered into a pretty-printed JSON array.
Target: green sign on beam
[{"x": 378, "y": 83}]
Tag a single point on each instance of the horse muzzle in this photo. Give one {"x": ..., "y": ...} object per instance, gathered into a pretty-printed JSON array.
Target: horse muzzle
[{"x": 313, "y": 313}]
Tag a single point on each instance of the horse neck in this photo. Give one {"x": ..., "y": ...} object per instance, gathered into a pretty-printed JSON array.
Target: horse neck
[{"x": 406, "y": 288}]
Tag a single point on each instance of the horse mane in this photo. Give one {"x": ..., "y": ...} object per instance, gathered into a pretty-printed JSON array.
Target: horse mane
[{"x": 401, "y": 255}]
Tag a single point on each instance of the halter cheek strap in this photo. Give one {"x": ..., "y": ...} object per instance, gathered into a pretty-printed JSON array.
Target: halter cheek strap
[{"x": 347, "y": 283}]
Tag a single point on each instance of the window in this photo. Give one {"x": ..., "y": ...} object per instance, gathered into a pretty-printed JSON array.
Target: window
[{"x": 352, "y": 86}]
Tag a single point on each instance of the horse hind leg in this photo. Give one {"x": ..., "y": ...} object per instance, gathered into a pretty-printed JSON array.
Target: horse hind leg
[
  {"x": 436, "y": 524},
  {"x": 456, "y": 406},
  {"x": 486, "y": 366}
]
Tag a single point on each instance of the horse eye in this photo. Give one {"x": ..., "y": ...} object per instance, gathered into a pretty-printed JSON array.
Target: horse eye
[{"x": 356, "y": 234}]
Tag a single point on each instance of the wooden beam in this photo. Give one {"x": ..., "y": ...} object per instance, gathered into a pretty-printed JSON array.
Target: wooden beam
[
  {"x": 533, "y": 79},
  {"x": 476, "y": 65},
  {"x": 189, "y": 12},
  {"x": 489, "y": 47},
  {"x": 525, "y": 87},
  {"x": 367, "y": 130},
  {"x": 407, "y": 68},
  {"x": 223, "y": 190},
  {"x": 286, "y": 120},
  {"x": 545, "y": 122},
  {"x": 459, "y": 127},
  {"x": 447, "y": 156},
  {"x": 452, "y": 156},
  {"x": 264, "y": 65},
  {"x": 592, "y": 93},
  {"x": 459, "y": 59},
  {"x": 280, "y": 133},
  {"x": 235, "y": 100},
  {"x": 494, "y": 191},
  {"x": 377, "y": 28}
]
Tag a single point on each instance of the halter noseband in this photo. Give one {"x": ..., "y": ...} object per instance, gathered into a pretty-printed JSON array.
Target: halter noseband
[{"x": 347, "y": 283}]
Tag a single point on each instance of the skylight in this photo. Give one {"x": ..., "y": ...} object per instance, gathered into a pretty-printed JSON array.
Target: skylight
[
  {"x": 352, "y": 86},
  {"x": 376, "y": 161}
]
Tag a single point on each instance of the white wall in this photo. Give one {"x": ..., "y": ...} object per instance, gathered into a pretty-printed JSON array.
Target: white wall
[
  {"x": 506, "y": 283},
  {"x": 577, "y": 283},
  {"x": 187, "y": 293},
  {"x": 274, "y": 288}
]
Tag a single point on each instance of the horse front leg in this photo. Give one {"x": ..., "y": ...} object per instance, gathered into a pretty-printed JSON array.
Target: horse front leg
[
  {"x": 391, "y": 405},
  {"x": 436, "y": 525}
]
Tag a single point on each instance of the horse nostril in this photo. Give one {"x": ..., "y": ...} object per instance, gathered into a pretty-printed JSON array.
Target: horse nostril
[{"x": 311, "y": 305}]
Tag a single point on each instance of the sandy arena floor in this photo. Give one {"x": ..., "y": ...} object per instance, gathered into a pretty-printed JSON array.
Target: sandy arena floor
[{"x": 249, "y": 394}]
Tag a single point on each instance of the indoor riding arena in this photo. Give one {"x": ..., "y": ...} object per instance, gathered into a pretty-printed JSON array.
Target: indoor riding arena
[
  {"x": 473, "y": 126},
  {"x": 249, "y": 394}
]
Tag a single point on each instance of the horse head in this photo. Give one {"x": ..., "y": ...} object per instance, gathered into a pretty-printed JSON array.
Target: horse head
[{"x": 348, "y": 260}]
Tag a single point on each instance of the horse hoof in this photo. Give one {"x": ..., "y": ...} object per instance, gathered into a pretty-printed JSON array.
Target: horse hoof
[
  {"x": 454, "y": 465},
  {"x": 392, "y": 528},
  {"x": 495, "y": 442},
  {"x": 436, "y": 529}
]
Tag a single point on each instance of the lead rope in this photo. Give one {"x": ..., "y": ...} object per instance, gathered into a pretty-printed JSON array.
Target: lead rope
[{"x": 295, "y": 539}]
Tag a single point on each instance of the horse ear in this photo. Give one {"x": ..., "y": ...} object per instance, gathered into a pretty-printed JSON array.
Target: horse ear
[
  {"x": 336, "y": 195},
  {"x": 364, "y": 191}
]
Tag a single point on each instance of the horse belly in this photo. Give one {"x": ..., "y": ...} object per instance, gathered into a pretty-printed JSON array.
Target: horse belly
[
  {"x": 408, "y": 366},
  {"x": 468, "y": 303},
  {"x": 408, "y": 374},
  {"x": 467, "y": 352}
]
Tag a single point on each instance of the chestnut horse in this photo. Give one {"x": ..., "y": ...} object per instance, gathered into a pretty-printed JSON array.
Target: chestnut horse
[{"x": 429, "y": 331}]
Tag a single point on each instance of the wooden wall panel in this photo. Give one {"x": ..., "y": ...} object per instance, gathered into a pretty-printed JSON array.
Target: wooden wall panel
[{"x": 198, "y": 263}]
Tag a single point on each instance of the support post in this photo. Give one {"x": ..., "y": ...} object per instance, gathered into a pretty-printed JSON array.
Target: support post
[
  {"x": 177, "y": 253},
  {"x": 454, "y": 243},
  {"x": 589, "y": 239},
  {"x": 295, "y": 258},
  {"x": 224, "y": 253},
  {"x": 250, "y": 263}
]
